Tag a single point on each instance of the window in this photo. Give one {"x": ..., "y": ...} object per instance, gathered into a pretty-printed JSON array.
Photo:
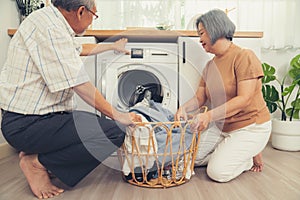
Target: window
[{"x": 278, "y": 19}]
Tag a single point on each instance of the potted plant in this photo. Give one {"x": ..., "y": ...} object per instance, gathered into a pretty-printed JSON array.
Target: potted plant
[
  {"x": 284, "y": 95},
  {"x": 28, "y": 6}
]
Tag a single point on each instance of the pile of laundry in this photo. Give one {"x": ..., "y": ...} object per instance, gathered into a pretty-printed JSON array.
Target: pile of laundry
[{"x": 152, "y": 148}]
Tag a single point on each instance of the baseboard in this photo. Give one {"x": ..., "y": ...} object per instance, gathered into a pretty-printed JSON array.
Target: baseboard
[{"x": 6, "y": 150}]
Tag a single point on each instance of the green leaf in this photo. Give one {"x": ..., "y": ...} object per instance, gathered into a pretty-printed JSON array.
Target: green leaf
[
  {"x": 295, "y": 62},
  {"x": 271, "y": 97},
  {"x": 269, "y": 73},
  {"x": 294, "y": 73},
  {"x": 296, "y": 113},
  {"x": 270, "y": 93},
  {"x": 296, "y": 104},
  {"x": 271, "y": 106},
  {"x": 288, "y": 90}
]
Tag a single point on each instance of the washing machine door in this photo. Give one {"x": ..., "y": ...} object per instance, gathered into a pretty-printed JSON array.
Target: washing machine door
[
  {"x": 133, "y": 84},
  {"x": 124, "y": 85}
]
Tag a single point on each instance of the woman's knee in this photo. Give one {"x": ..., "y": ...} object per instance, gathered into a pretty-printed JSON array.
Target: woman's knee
[
  {"x": 222, "y": 171},
  {"x": 218, "y": 173}
]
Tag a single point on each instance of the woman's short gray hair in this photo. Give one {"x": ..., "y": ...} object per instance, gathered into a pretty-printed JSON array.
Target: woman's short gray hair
[
  {"x": 73, "y": 4},
  {"x": 217, "y": 24}
]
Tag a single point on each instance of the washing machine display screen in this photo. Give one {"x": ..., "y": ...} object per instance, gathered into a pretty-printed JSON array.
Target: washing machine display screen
[{"x": 137, "y": 53}]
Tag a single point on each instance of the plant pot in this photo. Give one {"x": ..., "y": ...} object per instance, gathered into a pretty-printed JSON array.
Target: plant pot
[{"x": 286, "y": 135}]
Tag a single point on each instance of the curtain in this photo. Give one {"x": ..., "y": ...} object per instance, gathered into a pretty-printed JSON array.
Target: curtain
[
  {"x": 279, "y": 20},
  {"x": 123, "y": 14}
]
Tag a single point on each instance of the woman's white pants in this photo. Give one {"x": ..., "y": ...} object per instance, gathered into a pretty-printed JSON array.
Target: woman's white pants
[{"x": 227, "y": 155}]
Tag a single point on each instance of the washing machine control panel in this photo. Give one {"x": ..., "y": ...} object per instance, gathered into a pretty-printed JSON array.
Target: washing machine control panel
[{"x": 137, "y": 53}]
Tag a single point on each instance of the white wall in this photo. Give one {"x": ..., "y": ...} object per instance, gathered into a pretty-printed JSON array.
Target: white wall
[{"x": 9, "y": 19}]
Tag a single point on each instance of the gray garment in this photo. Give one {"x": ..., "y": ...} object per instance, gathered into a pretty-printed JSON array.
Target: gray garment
[
  {"x": 69, "y": 144},
  {"x": 154, "y": 112}
]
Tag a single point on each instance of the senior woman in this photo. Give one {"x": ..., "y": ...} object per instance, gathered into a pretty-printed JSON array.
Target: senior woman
[{"x": 237, "y": 125}]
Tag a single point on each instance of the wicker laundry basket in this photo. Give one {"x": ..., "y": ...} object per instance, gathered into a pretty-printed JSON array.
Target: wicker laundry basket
[{"x": 159, "y": 164}]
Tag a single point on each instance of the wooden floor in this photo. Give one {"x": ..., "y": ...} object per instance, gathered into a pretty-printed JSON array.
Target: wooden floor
[{"x": 280, "y": 180}]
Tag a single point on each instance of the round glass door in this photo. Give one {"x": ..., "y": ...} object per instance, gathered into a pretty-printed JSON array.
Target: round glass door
[{"x": 133, "y": 84}]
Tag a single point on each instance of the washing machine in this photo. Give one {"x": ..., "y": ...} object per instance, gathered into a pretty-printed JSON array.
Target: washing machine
[{"x": 123, "y": 79}]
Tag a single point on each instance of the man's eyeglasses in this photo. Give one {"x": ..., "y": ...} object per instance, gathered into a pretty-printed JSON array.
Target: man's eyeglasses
[{"x": 95, "y": 15}]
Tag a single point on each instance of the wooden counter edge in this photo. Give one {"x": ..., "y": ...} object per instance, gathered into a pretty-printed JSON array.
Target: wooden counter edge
[{"x": 140, "y": 32}]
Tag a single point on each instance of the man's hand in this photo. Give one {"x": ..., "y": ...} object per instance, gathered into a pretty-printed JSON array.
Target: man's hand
[{"x": 119, "y": 46}]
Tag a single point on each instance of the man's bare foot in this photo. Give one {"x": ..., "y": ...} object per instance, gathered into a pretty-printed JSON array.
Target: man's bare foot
[
  {"x": 38, "y": 178},
  {"x": 22, "y": 154},
  {"x": 257, "y": 163}
]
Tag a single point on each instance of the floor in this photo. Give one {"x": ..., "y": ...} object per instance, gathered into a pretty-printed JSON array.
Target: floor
[{"x": 280, "y": 180}]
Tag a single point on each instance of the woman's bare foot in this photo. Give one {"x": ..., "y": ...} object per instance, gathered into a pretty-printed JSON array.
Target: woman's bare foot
[
  {"x": 38, "y": 178},
  {"x": 257, "y": 163}
]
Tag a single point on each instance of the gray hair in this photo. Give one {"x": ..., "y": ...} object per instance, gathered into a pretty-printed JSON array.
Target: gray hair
[
  {"x": 73, "y": 4},
  {"x": 217, "y": 24}
]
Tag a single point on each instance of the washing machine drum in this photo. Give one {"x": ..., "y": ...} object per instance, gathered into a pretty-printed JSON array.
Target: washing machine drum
[{"x": 133, "y": 84}]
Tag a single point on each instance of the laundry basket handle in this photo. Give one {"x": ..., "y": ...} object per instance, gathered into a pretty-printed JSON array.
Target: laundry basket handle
[{"x": 202, "y": 109}]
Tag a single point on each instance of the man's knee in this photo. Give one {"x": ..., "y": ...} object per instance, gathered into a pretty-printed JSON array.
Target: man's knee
[{"x": 119, "y": 140}]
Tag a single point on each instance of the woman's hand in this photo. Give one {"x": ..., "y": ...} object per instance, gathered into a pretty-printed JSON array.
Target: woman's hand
[
  {"x": 200, "y": 122},
  {"x": 119, "y": 46},
  {"x": 180, "y": 114}
]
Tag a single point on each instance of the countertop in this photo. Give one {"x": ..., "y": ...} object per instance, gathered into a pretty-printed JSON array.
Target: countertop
[{"x": 149, "y": 35}]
